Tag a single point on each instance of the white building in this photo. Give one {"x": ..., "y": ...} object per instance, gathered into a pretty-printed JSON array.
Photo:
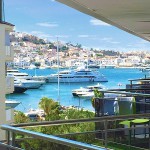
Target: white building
[{"x": 6, "y": 83}]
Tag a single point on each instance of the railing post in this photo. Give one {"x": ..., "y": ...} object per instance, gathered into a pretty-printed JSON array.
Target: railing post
[
  {"x": 105, "y": 127},
  {"x": 13, "y": 139},
  {"x": 130, "y": 133},
  {"x": 8, "y": 137},
  {"x": 149, "y": 133}
]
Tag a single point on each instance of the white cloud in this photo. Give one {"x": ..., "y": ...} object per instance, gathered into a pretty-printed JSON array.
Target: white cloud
[
  {"x": 97, "y": 22},
  {"x": 83, "y": 36},
  {"x": 36, "y": 32},
  {"x": 114, "y": 42},
  {"x": 93, "y": 37},
  {"x": 107, "y": 39},
  {"x": 62, "y": 36},
  {"x": 47, "y": 24}
]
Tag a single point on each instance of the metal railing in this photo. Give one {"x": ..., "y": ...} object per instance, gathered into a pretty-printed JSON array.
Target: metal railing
[
  {"x": 42, "y": 136},
  {"x": 18, "y": 129}
]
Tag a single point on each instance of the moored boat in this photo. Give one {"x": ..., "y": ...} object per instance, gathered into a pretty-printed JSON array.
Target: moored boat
[
  {"x": 18, "y": 88},
  {"x": 11, "y": 103},
  {"x": 87, "y": 90},
  {"x": 29, "y": 84},
  {"x": 80, "y": 91},
  {"x": 35, "y": 114},
  {"x": 79, "y": 75},
  {"x": 22, "y": 75}
]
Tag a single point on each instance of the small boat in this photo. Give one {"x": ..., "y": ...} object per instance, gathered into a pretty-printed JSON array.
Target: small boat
[
  {"x": 89, "y": 89},
  {"x": 93, "y": 66},
  {"x": 90, "y": 94},
  {"x": 87, "y": 95},
  {"x": 35, "y": 114},
  {"x": 145, "y": 69},
  {"x": 11, "y": 103},
  {"x": 80, "y": 91},
  {"x": 107, "y": 66},
  {"x": 96, "y": 86},
  {"x": 31, "y": 66}
]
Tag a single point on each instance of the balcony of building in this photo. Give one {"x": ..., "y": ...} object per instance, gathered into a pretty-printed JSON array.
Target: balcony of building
[
  {"x": 106, "y": 134},
  {"x": 5, "y": 29},
  {"x": 9, "y": 53},
  {"x": 9, "y": 85},
  {"x": 7, "y": 26}
]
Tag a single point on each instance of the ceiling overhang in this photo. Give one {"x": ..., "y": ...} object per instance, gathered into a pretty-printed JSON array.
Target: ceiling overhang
[{"x": 132, "y": 16}]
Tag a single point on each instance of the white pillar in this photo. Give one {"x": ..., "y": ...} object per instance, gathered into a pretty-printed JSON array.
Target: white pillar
[{"x": 2, "y": 80}]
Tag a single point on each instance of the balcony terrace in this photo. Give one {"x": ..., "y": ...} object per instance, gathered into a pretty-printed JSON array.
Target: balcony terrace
[
  {"x": 9, "y": 53},
  {"x": 9, "y": 85},
  {"x": 107, "y": 136}
]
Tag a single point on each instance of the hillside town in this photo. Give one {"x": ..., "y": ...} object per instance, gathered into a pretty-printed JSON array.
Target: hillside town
[{"x": 31, "y": 51}]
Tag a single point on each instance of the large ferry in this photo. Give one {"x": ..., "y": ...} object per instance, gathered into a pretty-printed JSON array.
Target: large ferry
[{"x": 78, "y": 75}]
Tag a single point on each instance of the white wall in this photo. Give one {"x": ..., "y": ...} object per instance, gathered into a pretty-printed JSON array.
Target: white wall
[
  {"x": 2, "y": 80},
  {"x": 3, "y": 29}
]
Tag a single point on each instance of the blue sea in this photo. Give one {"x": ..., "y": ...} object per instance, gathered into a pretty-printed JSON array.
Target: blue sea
[{"x": 31, "y": 98}]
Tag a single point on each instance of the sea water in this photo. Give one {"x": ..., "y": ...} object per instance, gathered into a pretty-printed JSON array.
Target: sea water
[{"x": 117, "y": 78}]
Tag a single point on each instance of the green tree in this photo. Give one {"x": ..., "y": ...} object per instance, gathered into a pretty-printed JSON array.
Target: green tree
[
  {"x": 51, "y": 108},
  {"x": 64, "y": 48},
  {"x": 97, "y": 94},
  {"x": 20, "y": 117},
  {"x": 37, "y": 64},
  {"x": 78, "y": 45}
]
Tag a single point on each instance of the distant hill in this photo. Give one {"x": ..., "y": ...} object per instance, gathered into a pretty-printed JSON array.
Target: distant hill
[
  {"x": 27, "y": 38},
  {"x": 110, "y": 53},
  {"x": 24, "y": 37}
]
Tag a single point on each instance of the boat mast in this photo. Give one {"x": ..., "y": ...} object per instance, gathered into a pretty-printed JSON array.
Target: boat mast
[
  {"x": 58, "y": 99},
  {"x": 87, "y": 59}
]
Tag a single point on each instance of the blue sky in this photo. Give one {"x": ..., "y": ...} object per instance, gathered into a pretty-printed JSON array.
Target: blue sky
[{"x": 49, "y": 19}]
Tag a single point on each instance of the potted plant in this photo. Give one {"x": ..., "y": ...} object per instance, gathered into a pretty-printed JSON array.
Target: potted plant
[{"x": 98, "y": 103}]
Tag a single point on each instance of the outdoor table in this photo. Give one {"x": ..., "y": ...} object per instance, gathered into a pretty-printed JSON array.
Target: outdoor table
[{"x": 135, "y": 122}]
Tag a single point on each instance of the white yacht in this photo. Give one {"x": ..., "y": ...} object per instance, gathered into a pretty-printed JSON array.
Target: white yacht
[
  {"x": 87, "y": 90},
  {"x": 145, "y": 69},
  {"x": 22, "y": 75},
  {"x": 90, "y": 94},
  {"x": 35, "y": 114},
  {"x": 87, "y": 95},
  {"x": 79, "y": 75},
  {"x": 80, "y": 91},
  {"x": 11, "y": 103},
  {"x": 16, "y": 73},
  {"x": 28, "y": 84}
]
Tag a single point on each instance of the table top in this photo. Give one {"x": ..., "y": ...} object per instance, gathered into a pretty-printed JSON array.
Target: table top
[
  {"x": 135, "y": 121},
  {"x": 140, "y": 121}
]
